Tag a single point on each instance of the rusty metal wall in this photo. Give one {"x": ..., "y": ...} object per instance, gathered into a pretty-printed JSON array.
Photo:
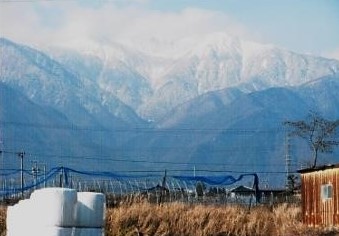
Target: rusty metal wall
[{"x": 318, "y": 211}]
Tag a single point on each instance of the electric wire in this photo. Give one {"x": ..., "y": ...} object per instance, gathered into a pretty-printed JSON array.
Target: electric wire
[{"x": 112, "y": 159}]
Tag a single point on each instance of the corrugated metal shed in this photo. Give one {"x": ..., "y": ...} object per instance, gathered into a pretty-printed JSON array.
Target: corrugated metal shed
[{"x": 320, "y": 195}]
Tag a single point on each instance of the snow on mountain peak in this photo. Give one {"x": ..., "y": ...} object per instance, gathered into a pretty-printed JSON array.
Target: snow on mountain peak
[
  {"x": 155, "y": 75},
  {"x": 218, "y": 42}
]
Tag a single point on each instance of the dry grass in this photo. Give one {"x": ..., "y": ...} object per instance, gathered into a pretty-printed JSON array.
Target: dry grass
[
  {"x": 3, "y": 213},
  {"x": 182, "y": 219}
]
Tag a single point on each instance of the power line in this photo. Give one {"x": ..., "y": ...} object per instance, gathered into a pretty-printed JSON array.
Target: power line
[
  {"x": 143, "y": 129},
  {"x": 168, "y": 170},
  {"x": 112, "y": 159}
]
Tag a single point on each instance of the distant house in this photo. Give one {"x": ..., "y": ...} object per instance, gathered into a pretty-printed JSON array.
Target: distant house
[
  {"x": 320, "y": 195},
  {"x": 266, "y": 195},
  {"x": 242, "y": 191},
  {"x": 158, "y": 189}
]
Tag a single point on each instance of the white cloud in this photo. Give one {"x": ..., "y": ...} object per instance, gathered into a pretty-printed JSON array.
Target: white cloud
[
  {"x": 17, "y": 22},
  {"x": 32, "y": 23},
  {"x": 333, "y": 54}
]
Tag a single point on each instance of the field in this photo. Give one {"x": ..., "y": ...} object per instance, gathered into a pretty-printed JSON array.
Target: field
[{"x": 183, "y": 219}]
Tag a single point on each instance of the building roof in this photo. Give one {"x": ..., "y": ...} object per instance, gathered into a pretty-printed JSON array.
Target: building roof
[
  {"x": 242, "y": 189},
  {"x": 318, "y": 168},
  {"x": 158, "y": 188}
]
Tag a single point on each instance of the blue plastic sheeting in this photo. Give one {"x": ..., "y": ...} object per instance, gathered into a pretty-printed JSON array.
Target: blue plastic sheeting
[
  {"x": 49, "y": 175},
  {"x": 223, "y": 180},
  {"x": 108, "y": 174},
  {"x": 65, "y": 171},
  {"x": 210, "y": 180},
  {"x": 213, "y": 180},
  {"x": 9, "y": 172}
]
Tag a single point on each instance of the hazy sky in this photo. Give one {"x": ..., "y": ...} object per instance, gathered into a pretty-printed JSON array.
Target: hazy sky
[{"x": 307, "y": 26}]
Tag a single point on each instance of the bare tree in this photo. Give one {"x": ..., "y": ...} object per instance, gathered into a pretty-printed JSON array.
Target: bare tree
[
  {"x": 319, "y": 132},
  {"x": 293, "y": 183}
]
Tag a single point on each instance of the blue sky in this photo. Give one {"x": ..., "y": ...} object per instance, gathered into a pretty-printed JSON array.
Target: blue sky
[{"x": 306, "y": 26}]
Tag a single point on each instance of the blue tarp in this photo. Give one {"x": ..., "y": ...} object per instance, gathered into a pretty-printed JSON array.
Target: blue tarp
[
  {"x": 210, "y": 180},
  {"x": 213, "y": 180}
]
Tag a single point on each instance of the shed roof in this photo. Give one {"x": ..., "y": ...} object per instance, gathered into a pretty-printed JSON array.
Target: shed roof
[
  {"x": 318, "y": 168},
  {"x": 158, "y": 188},
  {"x": 242, "y": 189}
]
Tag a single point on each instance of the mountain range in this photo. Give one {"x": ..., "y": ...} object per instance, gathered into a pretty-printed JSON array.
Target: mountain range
[{"x": 214, "y": 103}]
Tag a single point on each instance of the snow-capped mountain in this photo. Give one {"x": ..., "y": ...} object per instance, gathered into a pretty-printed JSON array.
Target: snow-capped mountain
[
  {"x": 150, "y": 83},
  {"x": 154, "y": 82},
  {"x": 216, "y": 99},
  {"x": 47, "y": 82}
]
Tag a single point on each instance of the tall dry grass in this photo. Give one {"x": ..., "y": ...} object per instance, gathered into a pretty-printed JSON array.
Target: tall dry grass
[
  {"x": 182, "y": 219},
  {"x": 3, "y": 213}
]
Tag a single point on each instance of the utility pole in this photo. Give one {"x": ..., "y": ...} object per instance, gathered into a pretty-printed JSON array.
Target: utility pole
[
  {"x": 35, "y": 172},
  {"x": 2, "y": 154},
  {"x": 287, "y": 159},
  {"x": 163, "y": 184},
  {"x": 21, "y": 156},
  {"x": 2, "y": 162},
  {"x": 61, "y": 180},
  {"x": 45, "y": 184}
]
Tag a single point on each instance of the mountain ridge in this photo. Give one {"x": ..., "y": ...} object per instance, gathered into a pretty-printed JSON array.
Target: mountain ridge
[
  {"x": 119, "y": 114},
  {"x": 212, "y": 63}
]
